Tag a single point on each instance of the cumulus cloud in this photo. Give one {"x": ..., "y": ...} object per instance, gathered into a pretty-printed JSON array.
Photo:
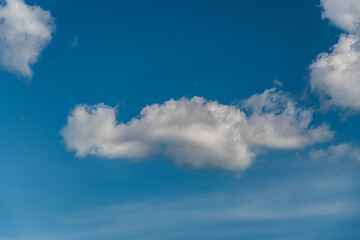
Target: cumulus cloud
[
  {"x": 343, "y": 14},
  {"x": 337, "y": 152},
  {"x": 195, "y": 132},
  {"x": 335, "y": 76},
  {"x": 24, "y": 31}
]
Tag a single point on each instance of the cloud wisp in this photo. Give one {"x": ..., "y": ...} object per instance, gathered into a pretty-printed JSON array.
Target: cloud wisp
[
  {"x": 24, "y": 32},
  {"x": 195, "y": 132},
  {"x": 300, "y": 200},
  {"x": 271, "y": 205},
  {"x": 337, "y": 152},
  {"x": 335, "y": 76}
]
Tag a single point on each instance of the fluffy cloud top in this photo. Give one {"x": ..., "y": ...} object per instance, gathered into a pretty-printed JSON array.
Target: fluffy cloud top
[
  {"x": 343, "y": 14},
  {"x": 195, "y": 132},
  {"x": 24, "y": 32},
  {"x": 337, "y": 152},
  {"x": 335, "y": 76}
]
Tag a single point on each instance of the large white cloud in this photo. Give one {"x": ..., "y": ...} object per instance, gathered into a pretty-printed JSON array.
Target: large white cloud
[
  {"x": 24, "y": 31},
  {"x": 335, "y": 76},
  {"x": 195, "y": 132}
]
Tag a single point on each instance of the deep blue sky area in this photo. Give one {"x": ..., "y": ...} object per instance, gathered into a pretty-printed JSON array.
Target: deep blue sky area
[{"x": 136, "y": 53}]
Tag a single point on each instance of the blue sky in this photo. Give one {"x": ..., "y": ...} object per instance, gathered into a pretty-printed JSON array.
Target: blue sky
[{"x": 92, "y": 146}]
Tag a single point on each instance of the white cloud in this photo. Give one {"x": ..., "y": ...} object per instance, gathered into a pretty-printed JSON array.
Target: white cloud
[
  {"x": 343, "y": 14},
  {"x": 24, "y": 31},
  {"x": 337, "y": 152},
  {"x": 195, "y": 132},
  {"x": 335, "y": 76}
]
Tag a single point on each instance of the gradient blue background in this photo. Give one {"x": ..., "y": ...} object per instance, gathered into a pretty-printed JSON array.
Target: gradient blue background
[{"x": 134, "y": 53}]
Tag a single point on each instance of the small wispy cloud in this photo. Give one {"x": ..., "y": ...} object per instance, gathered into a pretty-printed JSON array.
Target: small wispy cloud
[
  {"x": 278, "y": 83},
  {"x": 75, "y": 42},
  {"x": 338, "y": 152}
]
